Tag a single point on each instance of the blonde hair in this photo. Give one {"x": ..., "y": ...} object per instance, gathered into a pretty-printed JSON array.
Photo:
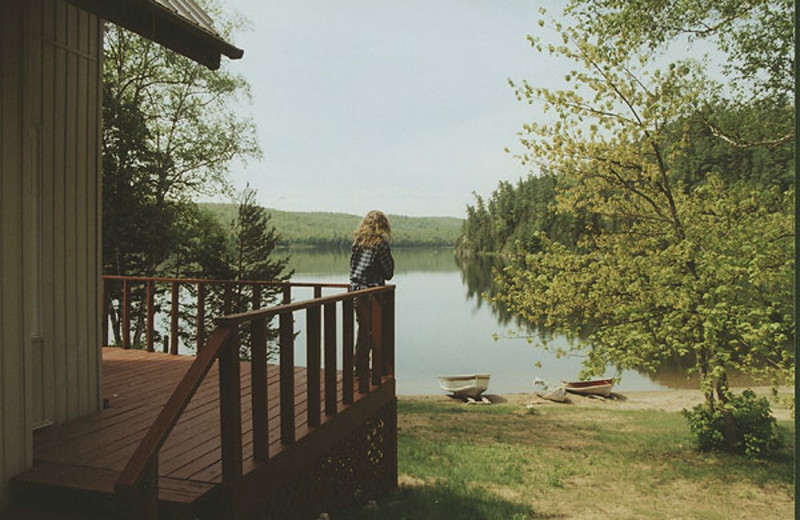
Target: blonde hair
[{"x": 373, "y": 229}]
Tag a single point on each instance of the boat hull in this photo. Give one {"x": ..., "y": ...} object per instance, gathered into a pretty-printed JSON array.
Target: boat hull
[
  {"x": 601, "y": 387},
  {"x": 558, "y": 395},
  {"x": 471, "y": 385}
]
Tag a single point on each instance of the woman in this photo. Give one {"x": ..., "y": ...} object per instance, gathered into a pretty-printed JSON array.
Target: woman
[{"x": 371, "y": 264}]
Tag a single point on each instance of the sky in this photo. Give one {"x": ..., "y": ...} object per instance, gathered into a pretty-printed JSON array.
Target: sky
[{"x": 401, "y": 106}]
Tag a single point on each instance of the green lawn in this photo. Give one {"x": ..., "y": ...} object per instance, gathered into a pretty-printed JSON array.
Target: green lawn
[{"x": 508, "y": 462}]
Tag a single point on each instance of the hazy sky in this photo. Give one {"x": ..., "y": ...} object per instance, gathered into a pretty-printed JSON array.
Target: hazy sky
[{"x": 402, "y": 106}]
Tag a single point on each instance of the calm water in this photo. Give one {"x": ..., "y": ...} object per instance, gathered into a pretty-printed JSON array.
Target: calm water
[{"x": 444, "y": 327}]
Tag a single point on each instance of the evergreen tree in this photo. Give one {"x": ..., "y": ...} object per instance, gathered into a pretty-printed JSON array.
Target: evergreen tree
[
  {"x": 254, "y": 242},
  {"x": 253, "y": 245}
]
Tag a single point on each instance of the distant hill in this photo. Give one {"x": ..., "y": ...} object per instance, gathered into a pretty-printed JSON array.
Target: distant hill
[{"x": 336, "y": 229}]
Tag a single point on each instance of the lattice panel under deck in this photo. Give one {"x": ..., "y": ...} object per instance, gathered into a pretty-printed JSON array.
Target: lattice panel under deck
[{"x": 361, "y": 468}]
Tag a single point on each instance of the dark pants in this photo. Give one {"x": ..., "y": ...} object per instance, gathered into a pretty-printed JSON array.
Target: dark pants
[{"x": 363, "y": 338}]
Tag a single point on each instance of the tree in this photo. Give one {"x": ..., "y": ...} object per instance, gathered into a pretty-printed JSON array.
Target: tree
[
  {"x": 254, "y": 241},
  {"x": 699, "y": 269},
  {"x": 245, "y": 251},
  {"x": 170, "y": 132},
  {"x": 756, "y": 37},
  {"x": 135, "y": 224}
]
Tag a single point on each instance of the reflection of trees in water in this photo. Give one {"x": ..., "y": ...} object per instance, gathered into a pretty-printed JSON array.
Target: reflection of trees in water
[
  {"x": 329, "y": 261},
  {"x": 478, "y": 274},
  {"x": 676, "y": 374}
]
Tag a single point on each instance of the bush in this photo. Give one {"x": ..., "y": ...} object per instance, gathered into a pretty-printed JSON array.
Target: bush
[{"x": 743, "y": 425}]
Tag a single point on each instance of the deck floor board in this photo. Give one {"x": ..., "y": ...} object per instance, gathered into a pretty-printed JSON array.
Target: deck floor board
[{"x": 90, "y": 452}]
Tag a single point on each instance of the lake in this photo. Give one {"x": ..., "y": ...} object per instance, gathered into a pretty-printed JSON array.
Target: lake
[{"x": 443, "y": 326}]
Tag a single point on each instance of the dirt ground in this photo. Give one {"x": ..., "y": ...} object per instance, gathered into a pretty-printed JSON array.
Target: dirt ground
[{"x": 667, "y": 400}]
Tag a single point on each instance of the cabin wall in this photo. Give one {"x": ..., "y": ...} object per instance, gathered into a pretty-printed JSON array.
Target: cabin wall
[{"x": 50, "y": 193}]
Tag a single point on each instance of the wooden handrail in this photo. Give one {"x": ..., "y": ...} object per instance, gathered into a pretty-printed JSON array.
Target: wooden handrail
[
  {"x": 137, "y": 483},
  {"x": 234, "y": 319},
  {"x": 215, "y": 281}
]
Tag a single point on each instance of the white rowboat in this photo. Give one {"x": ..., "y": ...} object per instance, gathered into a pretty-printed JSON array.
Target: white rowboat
[
  {"x": 558, "y": 395},
  {"x": 472, "y": 385}
]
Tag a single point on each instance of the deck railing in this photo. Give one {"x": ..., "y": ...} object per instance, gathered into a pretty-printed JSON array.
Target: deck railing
[
  {"x": 137, "y": 484},
  {"x": 125, "y": 289}
]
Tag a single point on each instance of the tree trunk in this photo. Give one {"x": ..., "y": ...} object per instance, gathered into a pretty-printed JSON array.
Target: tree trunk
[
  {"x": 115, "y": 325},
  {"x": 139, "y": 328},
  {"x": 706, "y": 384},
  {"x": 722, "y": 389}
]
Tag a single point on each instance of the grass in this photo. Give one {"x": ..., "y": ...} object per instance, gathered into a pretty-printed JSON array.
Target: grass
[{"x": 568, "y": 462}]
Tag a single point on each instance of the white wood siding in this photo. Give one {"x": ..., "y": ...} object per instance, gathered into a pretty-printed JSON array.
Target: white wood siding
[{"x": 50, "y": 113}]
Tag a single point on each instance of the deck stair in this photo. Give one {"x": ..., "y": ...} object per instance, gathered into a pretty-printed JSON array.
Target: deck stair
[{"x": 77, "y": 463}]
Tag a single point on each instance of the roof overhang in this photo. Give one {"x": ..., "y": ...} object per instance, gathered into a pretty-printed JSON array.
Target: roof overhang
[{"x": 179, "y": 25}]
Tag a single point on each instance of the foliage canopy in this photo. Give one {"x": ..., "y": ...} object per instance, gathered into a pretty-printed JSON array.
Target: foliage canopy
[
  {"x": 171, "y": 128},
  {"x": 170, "y": 131},
  {"x": 689, "y": 253}
]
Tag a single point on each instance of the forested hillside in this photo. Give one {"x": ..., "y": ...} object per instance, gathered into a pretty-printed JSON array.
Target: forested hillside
[
  {"x": 516, "y": 217},
  {"x": 336, "y": 229},
  {"x": 512, "y": 217}
]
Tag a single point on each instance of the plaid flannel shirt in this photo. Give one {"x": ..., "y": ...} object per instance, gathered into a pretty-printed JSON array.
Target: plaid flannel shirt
[{"x": 370, "y": 266}]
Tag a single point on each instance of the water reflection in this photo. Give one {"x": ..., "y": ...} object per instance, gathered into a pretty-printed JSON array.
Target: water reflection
[
  {"x": 327, "y": 262},
  {"x": 478, "y": 276}
]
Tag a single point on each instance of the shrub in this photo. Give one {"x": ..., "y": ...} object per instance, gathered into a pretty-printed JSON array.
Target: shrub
[{"x": 743, "y": 425}]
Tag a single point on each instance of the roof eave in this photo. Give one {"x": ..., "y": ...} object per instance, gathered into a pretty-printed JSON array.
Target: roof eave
[{"x": 163, "y": 26}]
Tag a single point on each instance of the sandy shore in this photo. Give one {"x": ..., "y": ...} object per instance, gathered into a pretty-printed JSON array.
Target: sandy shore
[{"x": 667, "y": 400}]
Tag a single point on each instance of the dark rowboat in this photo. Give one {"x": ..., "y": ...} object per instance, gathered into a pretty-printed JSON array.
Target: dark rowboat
[{"x": 593, "y": 387}]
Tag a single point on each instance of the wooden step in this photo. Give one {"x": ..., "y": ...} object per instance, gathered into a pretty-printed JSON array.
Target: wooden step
[
  {"x": 29, "y": 513},
  {"x": 50, "y": 488}
]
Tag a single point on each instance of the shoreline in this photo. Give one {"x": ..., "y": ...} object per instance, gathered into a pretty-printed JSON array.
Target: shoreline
[{"x": 662, "y": 400}]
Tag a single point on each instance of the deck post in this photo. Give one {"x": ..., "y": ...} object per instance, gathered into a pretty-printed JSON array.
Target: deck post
[
  {"x": 230, "y": 396},
  {"x": 313, "y": 361},
  {"x": 287, "y": 377},
  {"x": 149, "y": 321},
  {"x": 173, "y": 329},
  {"x": 227, "y": 299},
  {"x": 376, "y": 338},
  {"x": 105, "y": 298},
  {"x": 363, "y": 343},
  {"x": 347, "y": 351},
  {"x": 392, "y": 442},
  {"x": 201, "y": 316},
  {"x": 331, "y": 396},
  {"x": 126, "y": 315},
  {"x": 259, "y": 395},
  {"x": 141, "y": 502},
  {"x": 388, "y": 333}
]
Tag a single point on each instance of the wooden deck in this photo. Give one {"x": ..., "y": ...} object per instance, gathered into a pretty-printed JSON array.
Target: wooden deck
[{"x": 86, "y": 456}]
